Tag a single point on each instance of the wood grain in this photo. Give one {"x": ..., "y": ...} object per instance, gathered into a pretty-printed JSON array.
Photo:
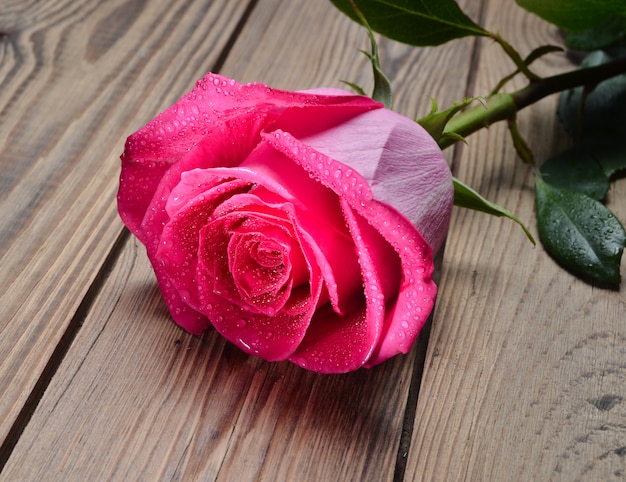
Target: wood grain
[
  {"x": 75, "y": 81},
  {"x": 526, "y": 365},
  {"x": 155, "y": 403},
  {"x": 525, "y": 371}
]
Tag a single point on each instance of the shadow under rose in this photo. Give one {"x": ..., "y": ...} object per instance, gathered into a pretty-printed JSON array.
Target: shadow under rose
[
  {"x": 319, "y": 420},
  {"x": 266, "y": 410}
]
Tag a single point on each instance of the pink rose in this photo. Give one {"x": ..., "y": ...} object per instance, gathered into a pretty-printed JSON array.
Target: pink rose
[{"x": 301, "y": 225}]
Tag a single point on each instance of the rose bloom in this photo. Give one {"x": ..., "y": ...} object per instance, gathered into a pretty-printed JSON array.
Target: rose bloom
[{"x": 301, "y": 225}]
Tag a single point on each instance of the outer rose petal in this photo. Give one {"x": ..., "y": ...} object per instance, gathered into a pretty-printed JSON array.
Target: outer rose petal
[
  {"x": 400, "y": 161},
  {"x": 334, "y": 344},
  {"x": 215, "y": 125},
  {"x": 176, "y": 252},
  {"x": 416, "y": 295},
  {"x": 417, "y": 290}
]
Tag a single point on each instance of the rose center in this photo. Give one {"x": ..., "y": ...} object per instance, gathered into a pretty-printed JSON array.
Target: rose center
[
  {"x": 260, "y": 266},
  {"x": 267, "y": 253}
]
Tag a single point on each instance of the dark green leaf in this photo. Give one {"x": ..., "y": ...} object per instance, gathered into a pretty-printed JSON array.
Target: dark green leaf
[
  {"x": 521, "y": 147},
  {"x": 466, "y": 197},
  {"x": 611, "y": 156},
  {"x": 414, "y": 22},
  {"x": 575, "y": 15},
  {"x": 606, "y": 33},
  {"x": 596, "y": 120},
  {"x": 603, "y": 110},
  {"x": 575, "y": 170},
  {"x": 580, "y": 233}
]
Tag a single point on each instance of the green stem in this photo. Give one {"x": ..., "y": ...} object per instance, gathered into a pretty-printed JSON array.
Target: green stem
[
  {"x": 515, "y": 57},
  {"x": 505, "y": 106},
  {"x": 499, "y": 107}
]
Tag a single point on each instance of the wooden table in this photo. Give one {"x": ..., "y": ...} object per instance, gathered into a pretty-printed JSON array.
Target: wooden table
[{"x": 520, "y": 376}]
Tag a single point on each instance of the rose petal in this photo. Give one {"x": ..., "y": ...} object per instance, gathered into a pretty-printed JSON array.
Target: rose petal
[
  {"x": 177, "y": 302},
  {"x": 199, "y": 185},
  {"x": 265, "y": 286},
  {"x": 417, "y": 290},
  {"x": 215, "y": 124},
  {"x": 400, "y": 161},
  {"x": 177, "y": 251},
  {"x": 262, "y": 265},
  {"x": 222, "y": 236},
  {"x": 146, "y": 185},
  {"x": 271, "y": 337},
  {"x": 319, "y": 215},
  {"x": 335, "y": 344},
  {"x": 213, "y": 102}
]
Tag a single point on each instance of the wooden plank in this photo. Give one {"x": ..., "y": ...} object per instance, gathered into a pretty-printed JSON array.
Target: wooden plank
[
  {"x": 135, "y": 397},
  {"x": 525, "y": 374},
  {"x": 77, "y": 77},
  {"x": 141, "y": 399}
]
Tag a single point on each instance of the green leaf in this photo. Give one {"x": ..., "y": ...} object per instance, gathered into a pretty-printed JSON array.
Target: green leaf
[
  {"x": 356, "y": 88},
  {"x": 580, "y": 233},
  {"x": 521, "y": 147},
  {"x": 382, "y": 86},
  {"x": 607, "y": 32},
  {"x": 575, "y": 15},
  {"x": 600, "y": 108},
  {"x": 414, "y": 22},
  {"x": 575, "y": 170},
  {"x": 596, "y": 119},
  {"x": 466, "y": 197},
  {"x": 611, "y": 156}
]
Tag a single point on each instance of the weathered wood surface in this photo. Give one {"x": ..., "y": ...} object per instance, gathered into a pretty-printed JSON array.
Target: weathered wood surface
[
  {"x": 525, "y": 368},
  {"x": 76, "y": 78},
  {"x": 525, "y": 375}
]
